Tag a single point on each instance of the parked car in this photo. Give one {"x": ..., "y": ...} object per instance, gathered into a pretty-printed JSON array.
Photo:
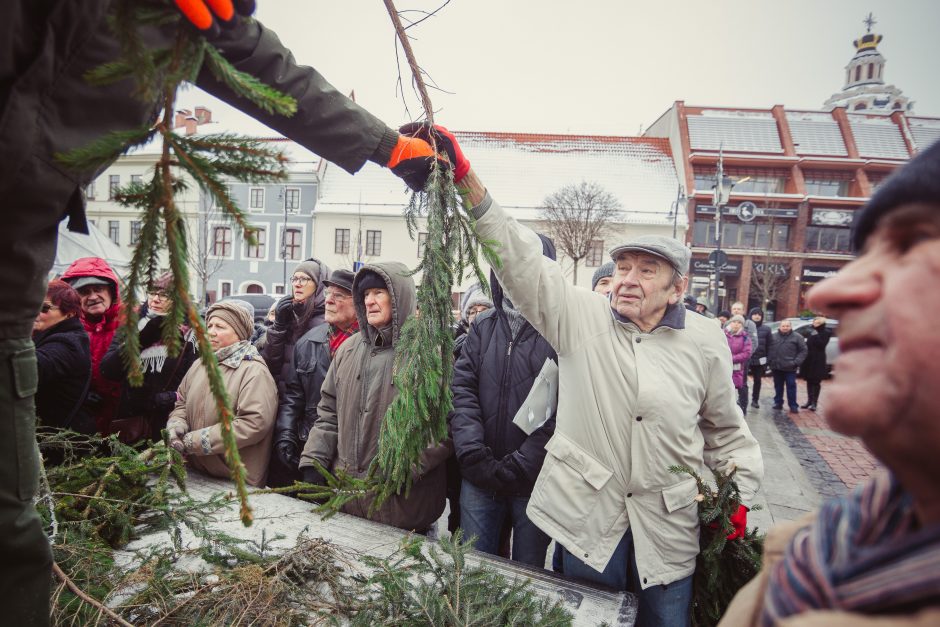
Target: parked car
[
  {"x": 804, "y": 326},
  {"x": 261, "y": 302}
]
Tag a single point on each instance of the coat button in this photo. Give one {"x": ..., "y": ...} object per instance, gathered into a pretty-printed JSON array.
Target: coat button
[
  {"x": 585, "y": 555},
  {"x": 639, "y": 339},
  {"x": 639, "y": 418},
  {"x": 629, "y": 494},
  {"x": 644, "y": 579}
]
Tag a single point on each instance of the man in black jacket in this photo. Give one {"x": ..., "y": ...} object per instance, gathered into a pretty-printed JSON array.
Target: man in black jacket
[
  {"x": 758, "y": 362},
  {"x": 313, "y": 354},
  {"x": 46, "y": 108},
  {"x": 501, "y": 358},
  {"x": 787, "y": 352}
]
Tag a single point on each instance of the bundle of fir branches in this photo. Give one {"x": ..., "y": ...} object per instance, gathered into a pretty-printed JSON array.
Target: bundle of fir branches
[
  {"x": 723, "y": 566},
  {"x": 157, "y": 74}
]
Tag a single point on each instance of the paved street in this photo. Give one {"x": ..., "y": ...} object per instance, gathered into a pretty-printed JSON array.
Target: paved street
[{"x": 804, "y": 460}]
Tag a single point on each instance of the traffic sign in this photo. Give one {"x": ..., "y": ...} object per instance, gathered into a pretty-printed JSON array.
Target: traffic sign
[{"x": 718, "y": 258}]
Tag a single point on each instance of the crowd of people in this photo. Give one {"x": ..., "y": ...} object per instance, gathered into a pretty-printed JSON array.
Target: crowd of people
[{"x": 642, "y": 384}]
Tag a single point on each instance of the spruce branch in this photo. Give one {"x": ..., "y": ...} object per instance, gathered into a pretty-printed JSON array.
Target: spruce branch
[{"x": 247, "y": 86}]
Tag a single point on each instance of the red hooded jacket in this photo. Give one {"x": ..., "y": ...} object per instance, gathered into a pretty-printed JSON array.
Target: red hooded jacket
[{"x": 100, "y": 334}]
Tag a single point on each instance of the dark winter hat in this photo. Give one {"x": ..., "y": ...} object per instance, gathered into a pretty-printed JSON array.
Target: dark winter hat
[
  {"x": 604, "y": 271},
  {"x": 918, "y": 181},
  {"x": 236, "y": 315},
  {"x": 84, "y": 281},
  {"x": 667, "y": 248},
  {"x": 342, "y": 279},
  {"x": 369, "y": 280},
  {"x": 162, "y": 282},
  {"x": 755, "y": 310},
  {"x": 724, "y": 314},
  {"x": 310, "y": 267}
]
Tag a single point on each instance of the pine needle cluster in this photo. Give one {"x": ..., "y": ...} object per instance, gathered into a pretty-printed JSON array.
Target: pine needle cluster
[
  {"x": 158, "y": 73},
  {"x": 723, "y": 566}
]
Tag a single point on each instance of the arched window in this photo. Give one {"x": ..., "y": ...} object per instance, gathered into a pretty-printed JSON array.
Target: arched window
[
  {"x": 871, "y": 70},
  {"x": 858, "y": 73},
  {"x": 254, "y": 288},
  {"x": 896, "y": 105},
  {"x": 860, "y": 106}
]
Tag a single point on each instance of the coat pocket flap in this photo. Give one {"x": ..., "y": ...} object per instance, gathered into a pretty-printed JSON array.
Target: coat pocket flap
[
  {"x": 594, "y": 472},
  {"x": 680, "y": 495}
]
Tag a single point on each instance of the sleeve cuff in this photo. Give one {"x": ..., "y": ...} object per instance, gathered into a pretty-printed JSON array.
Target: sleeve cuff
[
  {"x": 480, "y": 210},
  {"x": 383, "y": 152}
]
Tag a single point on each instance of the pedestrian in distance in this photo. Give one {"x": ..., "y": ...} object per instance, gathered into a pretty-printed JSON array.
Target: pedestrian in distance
[
  {"x": 786, "y": 352},
  {"x": 872, "y": 557},
  {"x": 602, "y": 280},
  {"x": 815, "y": 367},
  {"x": 758, "y": 362},
  {"x": 740, "y": 344}
]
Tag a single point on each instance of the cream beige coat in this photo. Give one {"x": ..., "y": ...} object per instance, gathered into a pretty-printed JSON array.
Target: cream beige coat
[
  {"x": 253, "y": 395},
  {"x": 630, "y": 405}
]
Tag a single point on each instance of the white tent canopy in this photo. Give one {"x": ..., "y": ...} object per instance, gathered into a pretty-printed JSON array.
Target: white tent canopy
[{"x": 74, "y": 246}]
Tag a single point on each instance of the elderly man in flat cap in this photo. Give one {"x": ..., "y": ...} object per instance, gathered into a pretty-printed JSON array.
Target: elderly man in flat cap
[{"x": 642, "y": 386}]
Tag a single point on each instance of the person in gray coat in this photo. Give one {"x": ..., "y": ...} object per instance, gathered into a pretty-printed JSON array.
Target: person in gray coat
[{"x": 787, "y": 352}]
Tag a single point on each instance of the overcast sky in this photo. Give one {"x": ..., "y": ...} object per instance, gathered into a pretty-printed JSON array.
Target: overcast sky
[{"x": 599, "y": 66}]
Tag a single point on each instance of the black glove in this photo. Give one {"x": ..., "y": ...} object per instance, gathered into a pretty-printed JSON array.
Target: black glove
[
  {"x": 284, "y": 312},
  {"x": 287, "y": 454},
  {"x": 311, "y": 475},
  {"x": 209, "y": 15},
  {"x": 446, "y": 143},
  {"x": 164, "y": 401},
  {"x": 151, "y": 332},
  {"x": 512, "y": 476},
  {"x": 479, "y": 468}
]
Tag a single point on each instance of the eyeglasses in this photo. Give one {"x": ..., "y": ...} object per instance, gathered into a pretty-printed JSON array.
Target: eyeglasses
[
  {"x": 337, "y": 295},
  {"x": 46, "y": 307},
  {"x": 300, "y": 280},
  {"x": 163, "y": 295}
]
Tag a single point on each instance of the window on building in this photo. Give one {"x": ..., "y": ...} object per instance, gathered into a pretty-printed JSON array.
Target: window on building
[
  {"x": 877, "y": 179},
  {"x": 90, "y": 191},
  {"x": 135, "y": 231},
  {"x": 256, "y": 198},
  {"x": 221, "y": 241},
  {"x": 278, "y": 288},
  {"x": 114, "y": 184},
  {"x": 747, "y": 181},
  {"x": 292, "y": 199},
  {"x": 136, "y": 178},
  {"x": 259, "y": 250},
  {"x": 226, "y": 288},
  {"x": 828, "y": 239},
  {"x": 422, "y": 244},
  {"x": 341, "y": 242},
  {"x": 871, "y": 70},
  {"x": 858, "y": 72},
  {"x": 741, "y": 235},
  {"x": 595, "y": 254},
  {"x": 292, "y": 244},
  {"x": 827, "y": 183},
  {"x": 373, "y": 243},
  {"x": 114, "y": 231}
]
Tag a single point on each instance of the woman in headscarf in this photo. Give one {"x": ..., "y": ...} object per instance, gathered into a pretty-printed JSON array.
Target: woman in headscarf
[
  {"x": 63, "y": 360},
  {"x": 740, "y": 344},
  {"x": 154, "y": 400},
  {"x": 194, "y": 426}
]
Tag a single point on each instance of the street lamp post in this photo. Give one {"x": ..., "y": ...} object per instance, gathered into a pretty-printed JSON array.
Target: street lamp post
[
  {"x": 721, "y": 194},
  {"x": 680, "y": 205},
  {"x": 283, "y": 195}
]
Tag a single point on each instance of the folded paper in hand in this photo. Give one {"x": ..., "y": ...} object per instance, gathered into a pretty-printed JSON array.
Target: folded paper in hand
[{"x": 540, "y": 404}]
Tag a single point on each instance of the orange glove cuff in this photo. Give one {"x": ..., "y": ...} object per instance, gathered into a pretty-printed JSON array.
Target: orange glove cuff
[{"x": 409, "y": 148}]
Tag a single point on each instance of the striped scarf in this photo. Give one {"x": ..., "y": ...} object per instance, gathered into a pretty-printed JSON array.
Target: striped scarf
[{"x": 864, "y": 553}]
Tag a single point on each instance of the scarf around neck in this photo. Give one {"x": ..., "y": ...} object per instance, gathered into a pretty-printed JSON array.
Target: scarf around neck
[
  {"x": 234, "y": 354},
  {"x": 153, "y": 358},
  {"x": 864, "y": 553}
]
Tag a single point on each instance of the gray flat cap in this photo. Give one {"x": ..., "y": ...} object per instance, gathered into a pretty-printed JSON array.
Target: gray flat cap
[{"x": 667, "y": 248}]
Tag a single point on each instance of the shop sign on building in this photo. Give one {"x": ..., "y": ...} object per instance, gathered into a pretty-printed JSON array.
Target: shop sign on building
[
  {"x": 815, "y": 274},
  {"x": 703, "y": 266},
  {"x": 832, "y": 217},
  {"x": 778, "y": 269}
]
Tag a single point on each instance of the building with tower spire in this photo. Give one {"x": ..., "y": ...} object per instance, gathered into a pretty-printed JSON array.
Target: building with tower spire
[{"x": 865, "y": 88}]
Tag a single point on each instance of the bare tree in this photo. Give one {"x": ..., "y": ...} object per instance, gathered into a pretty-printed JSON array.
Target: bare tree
[
  {"x": 769, "y": 275},
  {"x": 578, "y": 215},
  {"x": 203, "y": 264}
]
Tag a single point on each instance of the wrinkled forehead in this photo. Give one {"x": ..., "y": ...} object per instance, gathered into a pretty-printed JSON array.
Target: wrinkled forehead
[{"x": 632, "y": 257}]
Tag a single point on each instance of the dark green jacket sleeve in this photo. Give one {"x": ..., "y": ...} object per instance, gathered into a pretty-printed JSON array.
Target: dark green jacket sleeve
[{"x": 326, "y": 122}]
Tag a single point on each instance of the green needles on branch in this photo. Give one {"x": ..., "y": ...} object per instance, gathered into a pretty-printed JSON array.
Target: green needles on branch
[{"x": 158, "y": 73}]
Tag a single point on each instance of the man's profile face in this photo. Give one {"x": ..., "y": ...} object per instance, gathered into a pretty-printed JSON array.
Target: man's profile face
[
  {"x": 96, "y": 299},
  {"x": 643, "y": 287},
  {"x": 603, "y": 285},
  {"x": 378, "y": 304},
  {"x": 339, "y": 308},
  {"x": 885, "y": 378}
]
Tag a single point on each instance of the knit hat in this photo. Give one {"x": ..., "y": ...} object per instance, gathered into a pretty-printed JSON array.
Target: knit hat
[
  {"x": 724, "y": 314},
  {"x": 604, "y": 271},
  {"x": 162, "y": 282},
  {"x": 755, "y": 310},
  {"x": 737, "y": 318},
  {"x": 369, "y": 280},
  {"x": 918, "y": 181},
  {"x": 477, "y": 298},
  {"x": 236, "y": 315},
  {"x": 310, "y": 267}
]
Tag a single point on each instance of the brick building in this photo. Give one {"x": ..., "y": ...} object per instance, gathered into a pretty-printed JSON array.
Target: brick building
[{"x": 798, "y": 178}]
